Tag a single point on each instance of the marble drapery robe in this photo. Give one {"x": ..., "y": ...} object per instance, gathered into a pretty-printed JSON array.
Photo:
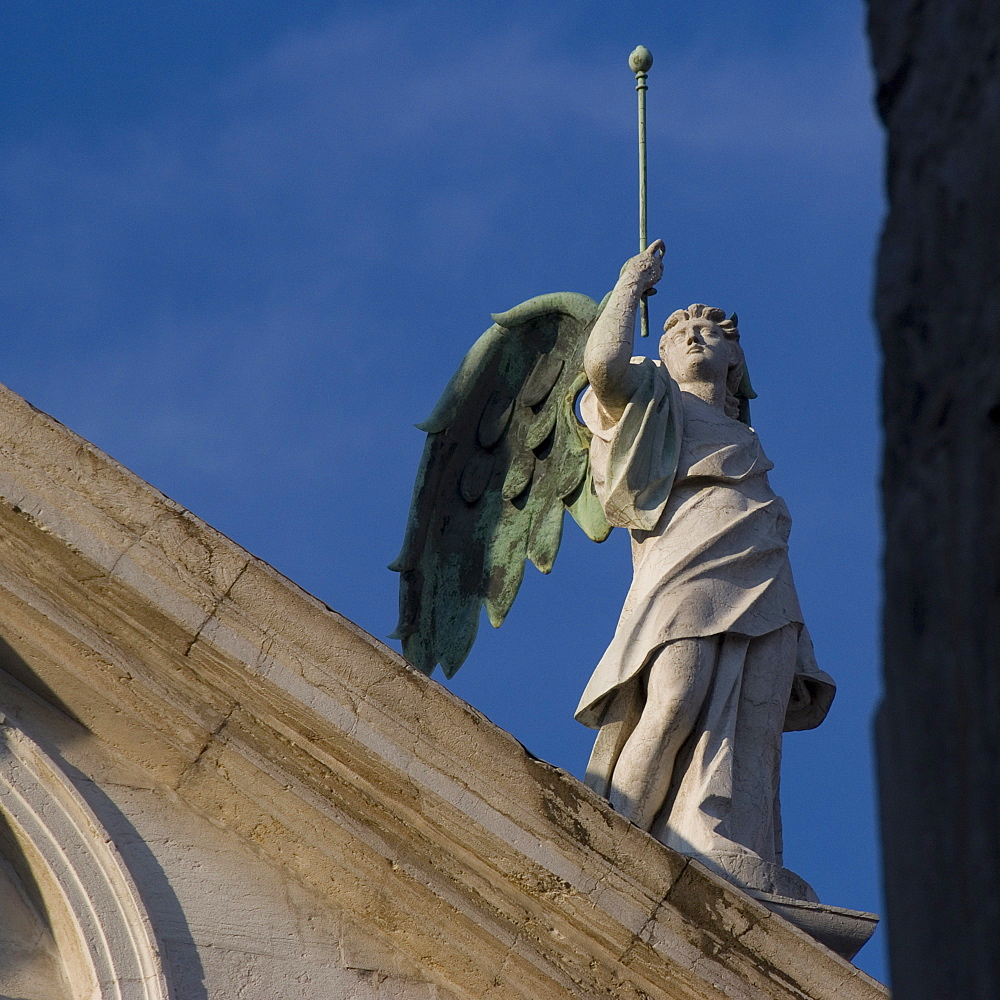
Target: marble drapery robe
[{"x": 710, "y": 559}]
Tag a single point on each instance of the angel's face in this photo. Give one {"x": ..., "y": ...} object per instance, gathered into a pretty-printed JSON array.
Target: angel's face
[{"x": 695, "y": 351}]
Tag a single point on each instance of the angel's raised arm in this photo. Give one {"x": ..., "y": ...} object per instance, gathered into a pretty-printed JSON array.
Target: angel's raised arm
[{"x": 609, "y": 348}]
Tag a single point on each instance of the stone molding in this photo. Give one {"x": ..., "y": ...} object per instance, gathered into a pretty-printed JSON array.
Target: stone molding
[
  {"x": 98, "y": 919},
  {"x": 497, "y": 874}
]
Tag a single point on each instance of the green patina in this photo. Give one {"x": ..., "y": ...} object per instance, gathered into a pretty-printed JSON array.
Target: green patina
[{"x": 505, "y": 457}]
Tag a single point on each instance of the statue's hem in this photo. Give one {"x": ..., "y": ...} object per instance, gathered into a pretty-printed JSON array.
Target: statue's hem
[{"x": 752, "y": 873}]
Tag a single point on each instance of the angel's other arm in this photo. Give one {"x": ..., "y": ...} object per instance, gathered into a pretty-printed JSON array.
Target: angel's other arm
[{"x": 607, "y": 358}]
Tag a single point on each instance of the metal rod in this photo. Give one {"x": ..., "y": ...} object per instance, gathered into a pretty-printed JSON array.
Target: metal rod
[{"x": 640, "y": 62}]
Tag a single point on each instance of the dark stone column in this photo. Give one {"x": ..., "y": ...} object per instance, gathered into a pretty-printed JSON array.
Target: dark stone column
[{"x": 938, "y": 311}]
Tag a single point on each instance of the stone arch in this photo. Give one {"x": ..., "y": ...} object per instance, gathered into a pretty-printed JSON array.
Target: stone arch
[{"x": 64, "y": 866}]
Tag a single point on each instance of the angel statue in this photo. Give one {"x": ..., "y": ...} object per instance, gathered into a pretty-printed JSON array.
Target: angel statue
[{"x": 710, "y": 661}]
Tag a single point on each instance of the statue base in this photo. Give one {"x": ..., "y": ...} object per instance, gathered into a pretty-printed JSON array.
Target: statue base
[
  {"x": 842, "y": 931},
  {"x": 785, "y": 893}
]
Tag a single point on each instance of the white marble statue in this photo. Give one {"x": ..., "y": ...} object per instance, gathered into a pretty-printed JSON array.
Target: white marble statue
[{"x": 710, "y": 661}]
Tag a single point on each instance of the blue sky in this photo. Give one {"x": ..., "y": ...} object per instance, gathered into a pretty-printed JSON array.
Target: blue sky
[{"x": 246, "y": 244}]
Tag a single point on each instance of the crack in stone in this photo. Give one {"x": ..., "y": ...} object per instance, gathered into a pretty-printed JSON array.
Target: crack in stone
[
  {"x": 110, "y": 571},
  {"x": 497, "y": 978},
  {"x": 637, "y": 938},
  {"x": 650, "y": 921},
  {"x": 215, "y": 608},
  {"x": 211, "y": 738},
  {"x": 136, "y": 540}
]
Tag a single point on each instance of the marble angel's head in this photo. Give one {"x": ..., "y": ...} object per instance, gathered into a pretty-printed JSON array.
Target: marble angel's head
[{"x": 700, "y": 342}]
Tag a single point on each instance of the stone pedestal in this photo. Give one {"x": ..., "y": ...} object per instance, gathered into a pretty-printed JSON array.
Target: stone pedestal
[{"x": 843, "y": 931}]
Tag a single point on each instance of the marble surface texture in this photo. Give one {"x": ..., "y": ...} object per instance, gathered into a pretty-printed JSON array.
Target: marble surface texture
[{"x": 710, "y": 661}]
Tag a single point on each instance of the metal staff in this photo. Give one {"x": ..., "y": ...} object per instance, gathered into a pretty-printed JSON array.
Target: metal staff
[{"x": 640, "y": 62}]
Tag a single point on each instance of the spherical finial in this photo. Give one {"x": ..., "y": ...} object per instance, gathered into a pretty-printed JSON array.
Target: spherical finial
[{"x": 640, "y": 60}]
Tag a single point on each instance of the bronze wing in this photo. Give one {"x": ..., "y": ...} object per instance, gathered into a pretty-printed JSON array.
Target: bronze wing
[{"x": 505, "y": 456}]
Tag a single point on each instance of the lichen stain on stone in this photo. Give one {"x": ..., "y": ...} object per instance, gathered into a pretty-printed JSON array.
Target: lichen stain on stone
[
  {"x": 561, "y": 803},
  {"x": 555, "y": 810},
  {"x": 735, "y": 946}
]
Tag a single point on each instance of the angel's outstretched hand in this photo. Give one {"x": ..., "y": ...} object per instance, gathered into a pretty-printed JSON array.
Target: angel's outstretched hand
[{"x": 645, "y": 269}]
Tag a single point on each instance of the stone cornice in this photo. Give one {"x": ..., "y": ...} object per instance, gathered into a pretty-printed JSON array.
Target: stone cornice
[{"x": 498, "y": 874}]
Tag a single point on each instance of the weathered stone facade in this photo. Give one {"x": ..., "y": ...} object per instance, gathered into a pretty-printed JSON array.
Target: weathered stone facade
[
  {"x": 213, "y": 786},
  {"x": 938, "y": 307}
]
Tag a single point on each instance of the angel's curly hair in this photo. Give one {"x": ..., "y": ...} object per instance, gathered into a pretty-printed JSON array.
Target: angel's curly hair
[{"x": 737, "y": 382}]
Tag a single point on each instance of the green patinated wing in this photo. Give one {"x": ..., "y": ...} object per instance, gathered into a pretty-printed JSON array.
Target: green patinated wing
[{"x": 505, "y": 457}]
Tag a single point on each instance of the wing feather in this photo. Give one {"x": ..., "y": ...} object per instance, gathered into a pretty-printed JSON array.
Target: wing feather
[
  {"x": 543, "y": 376},
  {"x": 540, "y": 428},
  {"x": 476, "y": 476},
  {"x": 496, "y": 416},
  {"x": 546, "y": 534},
  {"x": 587, "y": 511},
  {"x": 508, "y": 551},
  {"x": 519, "y": 475}
]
